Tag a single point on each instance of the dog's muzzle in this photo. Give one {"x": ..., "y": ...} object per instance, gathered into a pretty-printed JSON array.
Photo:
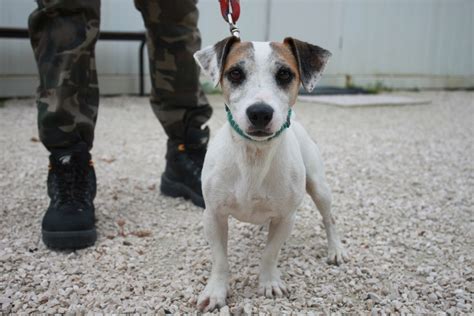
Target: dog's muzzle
[
  {"x": 259, "y": 115},
  {"x": 257, "y": 133}
]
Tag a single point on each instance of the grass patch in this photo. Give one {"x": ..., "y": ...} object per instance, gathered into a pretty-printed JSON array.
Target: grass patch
[{"x": 376, "y": 88}]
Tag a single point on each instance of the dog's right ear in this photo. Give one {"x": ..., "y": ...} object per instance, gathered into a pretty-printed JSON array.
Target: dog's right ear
[{"x": 212, "y": 58}]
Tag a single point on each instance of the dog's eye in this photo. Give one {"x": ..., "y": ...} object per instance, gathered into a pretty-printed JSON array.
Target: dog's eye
[
  {"x": 236, "y": 75},
  {"x": 284, "y": 76}
]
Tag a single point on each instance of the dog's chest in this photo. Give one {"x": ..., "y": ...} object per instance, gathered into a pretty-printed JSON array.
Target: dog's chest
[{"x": 275, "y": 196}]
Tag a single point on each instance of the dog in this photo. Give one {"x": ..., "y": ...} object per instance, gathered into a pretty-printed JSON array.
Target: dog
[{"x": 261, "y": 162}]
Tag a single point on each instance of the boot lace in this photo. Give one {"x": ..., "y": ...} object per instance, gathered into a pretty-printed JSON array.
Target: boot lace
[{"x": 71, "y": 183}]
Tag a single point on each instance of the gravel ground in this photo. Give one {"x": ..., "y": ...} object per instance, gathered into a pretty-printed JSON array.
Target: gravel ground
[{"x": 402, "y": 180}]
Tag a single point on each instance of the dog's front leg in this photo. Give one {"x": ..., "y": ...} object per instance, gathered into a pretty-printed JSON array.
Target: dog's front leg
[
  {"x": 321, "y": 195},
  {"x": 270, "y": 283},
  {"x": 215, "y": 292}
]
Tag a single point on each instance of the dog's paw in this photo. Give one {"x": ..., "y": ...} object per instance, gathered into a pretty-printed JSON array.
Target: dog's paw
[
  {"x": 270, "y": 285},
  {"x": 213, "y": 296},
  {"x": 337, "y": 254}
]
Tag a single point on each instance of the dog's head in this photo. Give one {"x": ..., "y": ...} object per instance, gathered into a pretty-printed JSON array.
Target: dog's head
[{"x": 260, "y": 80}]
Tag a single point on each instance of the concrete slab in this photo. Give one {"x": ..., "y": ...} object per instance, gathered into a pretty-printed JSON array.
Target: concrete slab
[{"x": 364, "y": 100}]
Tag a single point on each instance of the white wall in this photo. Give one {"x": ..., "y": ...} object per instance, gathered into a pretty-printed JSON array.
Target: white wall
[{"x": 401, "y": 43}]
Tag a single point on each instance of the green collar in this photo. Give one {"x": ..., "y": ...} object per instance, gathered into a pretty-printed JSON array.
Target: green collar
[{"x": 239, "y": 131}]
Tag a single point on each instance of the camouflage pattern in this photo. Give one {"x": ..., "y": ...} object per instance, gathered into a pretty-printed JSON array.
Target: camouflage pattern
[
  {"x": 172, "y": 39},
  {"x": 63, "y": 36}
]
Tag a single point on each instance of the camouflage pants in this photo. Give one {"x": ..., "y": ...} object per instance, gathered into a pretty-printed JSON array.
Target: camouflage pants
[{"x": 63, "y": 35}]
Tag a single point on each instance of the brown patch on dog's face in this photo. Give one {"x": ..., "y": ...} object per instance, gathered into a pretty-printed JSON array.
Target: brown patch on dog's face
[
  {"x": 288, "y": 59},
  {"x": 238, "y": 52},
  {"x": 285, "y": 53},
  {"x": 239, "y": 55}
]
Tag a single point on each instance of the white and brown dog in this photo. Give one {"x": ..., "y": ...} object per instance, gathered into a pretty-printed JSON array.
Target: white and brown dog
[{"x": 261, "y": 162}]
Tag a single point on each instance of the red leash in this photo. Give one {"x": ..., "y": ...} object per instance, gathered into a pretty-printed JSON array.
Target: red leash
[
  {"x": 232, "y": 7},
  {"x": 230, "y": 10}
]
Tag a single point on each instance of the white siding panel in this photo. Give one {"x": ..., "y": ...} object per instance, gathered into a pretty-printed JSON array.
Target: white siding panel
[{"x": 401, "y": 43}]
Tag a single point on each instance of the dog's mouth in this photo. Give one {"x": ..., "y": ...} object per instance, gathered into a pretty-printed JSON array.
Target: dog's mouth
[{"x": 259, "y": 133}]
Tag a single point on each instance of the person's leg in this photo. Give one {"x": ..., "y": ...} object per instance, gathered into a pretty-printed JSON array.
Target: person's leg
[
  {"x": 63, "y": 34},
  {"x": 176, "y": 97}
]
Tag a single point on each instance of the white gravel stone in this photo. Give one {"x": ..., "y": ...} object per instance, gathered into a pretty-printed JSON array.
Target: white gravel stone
[
  {"x": 432, "y": 298},
  {"x": 402, "y": 181}
]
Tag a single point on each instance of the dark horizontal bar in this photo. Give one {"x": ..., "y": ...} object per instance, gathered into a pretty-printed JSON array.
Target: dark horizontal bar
[
  {"x": 8, "y": 32},
  {"x": 122, "y": 36}
]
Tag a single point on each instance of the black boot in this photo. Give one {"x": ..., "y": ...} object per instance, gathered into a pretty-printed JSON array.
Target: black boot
[
  {"x": 69, "y": 222},
  {"x": 196, "y": 144},
  {"x": 182, "y": 176},
  {"x": 184, "y": 160},
  {"x": 195, "y": 136}
]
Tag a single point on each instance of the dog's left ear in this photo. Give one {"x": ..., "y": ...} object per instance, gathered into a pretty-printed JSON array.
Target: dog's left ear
[
  {"x": 311, "y": 61},
  {"x": 212, "y": 58}
]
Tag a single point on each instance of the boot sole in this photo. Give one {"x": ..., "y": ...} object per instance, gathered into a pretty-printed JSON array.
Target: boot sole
[
  {"x": 69, "y": 239},
  {"x": 178, "y": 189}
]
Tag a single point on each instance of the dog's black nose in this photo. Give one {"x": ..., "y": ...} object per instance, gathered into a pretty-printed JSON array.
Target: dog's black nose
[{"x": 260, "y": 114}]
